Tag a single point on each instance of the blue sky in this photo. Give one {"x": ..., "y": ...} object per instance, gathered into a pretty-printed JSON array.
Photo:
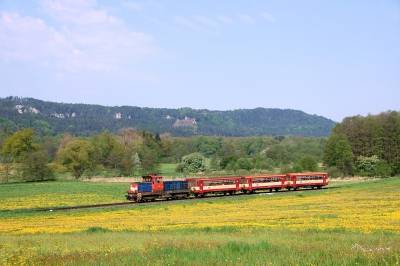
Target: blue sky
[{"x": 330, "y": 58}]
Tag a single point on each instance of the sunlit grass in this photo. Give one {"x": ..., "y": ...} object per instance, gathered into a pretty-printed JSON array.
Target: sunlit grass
[
  {"x": 207, "y": 246},
  {"x": 38, "y": 195},
  {"x": 355, "y": 208},
  {"x": 349, "y": 224}
]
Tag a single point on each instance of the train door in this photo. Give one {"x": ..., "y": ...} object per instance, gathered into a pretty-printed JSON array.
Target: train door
[
  {"x": 237, "y": 183},
  {"x": 288, "y": 180}
]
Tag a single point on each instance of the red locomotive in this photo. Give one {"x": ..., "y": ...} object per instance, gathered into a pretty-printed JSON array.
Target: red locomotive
[{"x": 154, "y": 187}]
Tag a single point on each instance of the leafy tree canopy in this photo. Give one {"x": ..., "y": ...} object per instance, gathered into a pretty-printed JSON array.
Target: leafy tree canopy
[
  {"x": 77, "y": 156},
  {"x": 19, "y": 144}
]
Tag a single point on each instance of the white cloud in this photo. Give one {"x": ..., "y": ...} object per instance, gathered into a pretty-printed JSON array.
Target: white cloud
[
  {"x": 133, "y": 6},
  {"x": 267, "y": 16},
  {"x": 76, "y": 11},
  {"x": 141, "y": 6},
  {"x": 88, "y": 39},
  {"x": 27, "y": 38},
  {"x": 187, "y": 23},
  {"x": 245, "y": 18},
  {"x": 224, "y": 19},
  {"x": 205, "y": 20}
]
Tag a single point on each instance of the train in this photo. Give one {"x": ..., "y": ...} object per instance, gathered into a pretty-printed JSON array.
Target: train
[{"x": 153, "y": 187}]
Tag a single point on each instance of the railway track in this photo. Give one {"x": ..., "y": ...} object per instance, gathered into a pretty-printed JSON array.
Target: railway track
[
  {"x": 110, "y": 205},
  {"x": 79, "y": 207}
]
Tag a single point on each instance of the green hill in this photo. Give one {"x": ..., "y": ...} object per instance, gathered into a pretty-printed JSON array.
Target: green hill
[{"x": 50, "y": 118}]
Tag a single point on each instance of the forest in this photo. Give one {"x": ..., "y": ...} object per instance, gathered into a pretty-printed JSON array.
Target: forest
[
  {"x": 365, "y": 146},
  {"x": 50, "y": 119}
]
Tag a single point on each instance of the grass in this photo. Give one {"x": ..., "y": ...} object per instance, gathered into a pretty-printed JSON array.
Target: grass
[
  {"x": 37, "y": 195},
  {"x": 350, "y": 224},
  {"x": 230, "y": 246}
]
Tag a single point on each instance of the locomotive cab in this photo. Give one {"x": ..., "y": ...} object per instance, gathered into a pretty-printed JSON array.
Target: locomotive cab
[{"x": 156, "y": 181}]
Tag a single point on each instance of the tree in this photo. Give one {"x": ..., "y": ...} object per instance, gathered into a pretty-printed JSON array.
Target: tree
[
  {"x": 383, "y": 169},
  {"x": 207, "y": 146},
  {"x": 105, "y": 143},
  {"x": 50, "y": 145},
  {"x": 215, "y": 162},
  {"x": 77, "y": 156},
  {"x": 114, "y": 160},
  {"x": 19, "y": 144},
  {"x": 194, "y": 162},
  {"x": 308, "y": 163},
  {"x": 6, "y": 168},
  {"x": 338, "y": 153},
  {"x": 225, "y": 161},
  {"x": 136, "y": 163},
  {"x": 150, "y": 161},
  {"x": 35, "y": 168}
]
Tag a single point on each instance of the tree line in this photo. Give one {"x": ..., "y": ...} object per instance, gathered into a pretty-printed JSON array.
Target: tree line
[
  {"x": 27, "y": 156},
  {"x": 366, "y": 146}
]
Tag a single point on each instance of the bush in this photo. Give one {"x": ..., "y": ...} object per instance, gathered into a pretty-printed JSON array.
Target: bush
[
  {"x": 267, "y": 164},
  {"x": 244, "y": 164},
  {"x": 383, "y": 169},
  {"x": 308, "y": 163},
  {"x": 225, "y": 161},
  {"x": 179, "y": 168},
  {"x": 297, "y": 168},
  {"x": 58, "y": 168},
  {"x": 334, "y": 172},
  {"x": 286, "y": 169}
]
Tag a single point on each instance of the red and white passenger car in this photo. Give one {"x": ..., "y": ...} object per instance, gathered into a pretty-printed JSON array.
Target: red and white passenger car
[
  {"x": 306, "y": 180},
  {"x": 262, "y": 182},
  {"x": 217, "y": 185}
]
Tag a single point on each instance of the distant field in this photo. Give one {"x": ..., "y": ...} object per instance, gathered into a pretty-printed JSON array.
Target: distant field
[
  {"x": 36, "y": 195},
  {"x": 351, "y": 223}
]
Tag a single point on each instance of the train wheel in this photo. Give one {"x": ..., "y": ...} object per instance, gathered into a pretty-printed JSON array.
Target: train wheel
[
  {"x": 296, "y": 188},
  {"x": 270, "y": 190}
]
